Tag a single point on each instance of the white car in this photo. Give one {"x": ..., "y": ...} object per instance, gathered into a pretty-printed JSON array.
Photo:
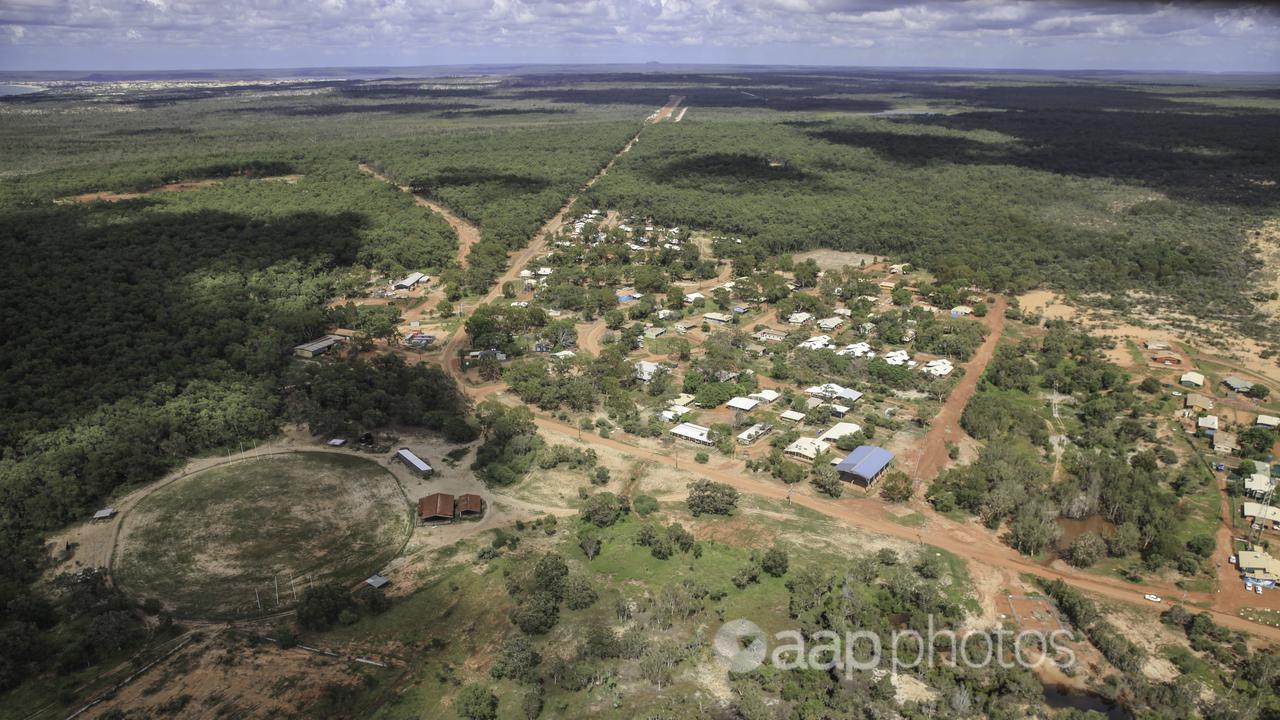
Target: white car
[
  {"x": 1232, "y": 559},
  {"x": 1175, "y": 393},
  {"x": 1257, "y": 589},
  {"x": 1153, "y": 598}
]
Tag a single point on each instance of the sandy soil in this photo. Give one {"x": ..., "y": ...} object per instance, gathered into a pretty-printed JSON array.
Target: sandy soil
[
  {"x": 836, "y": 259},
  {"x": 665, "y": 111}
]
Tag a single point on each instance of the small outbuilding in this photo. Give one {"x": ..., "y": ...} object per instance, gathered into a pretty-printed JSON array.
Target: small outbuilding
[
  {"x": 470, "y": 505},
  {"x": 377, "y": 582},
  {"x": 105, "y": 514},
  {"x": 1192, "y": 379}
]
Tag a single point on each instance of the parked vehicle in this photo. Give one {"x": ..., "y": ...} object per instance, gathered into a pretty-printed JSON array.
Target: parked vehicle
[{"x": 1153, "y": 598}]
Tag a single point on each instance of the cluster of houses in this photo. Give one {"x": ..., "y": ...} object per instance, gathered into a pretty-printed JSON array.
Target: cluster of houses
[{"x": 639, "y": 237}]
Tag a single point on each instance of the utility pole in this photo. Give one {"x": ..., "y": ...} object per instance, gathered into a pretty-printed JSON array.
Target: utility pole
[
  {"x": 276, "y": 580},
  {"x": 258, "y": 599}
]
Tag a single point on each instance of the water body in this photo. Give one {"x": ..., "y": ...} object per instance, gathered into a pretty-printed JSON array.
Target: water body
[
  {"x": 17, "y": 89},
  {"x": 1061, "y": 697}
]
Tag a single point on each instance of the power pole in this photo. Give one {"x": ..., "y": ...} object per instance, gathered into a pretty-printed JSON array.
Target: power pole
[
  {"x": 276, "y": 580},
  {"x": 258, "y": 599}
]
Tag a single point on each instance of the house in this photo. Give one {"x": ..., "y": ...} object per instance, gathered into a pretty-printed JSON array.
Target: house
[
  {"x": 753, "y": 433},
  {"x": 1271, "y": 422},
  {"x": 756, "y": 349},
  {"x": 693, "y": 433},
  {"x": 832, "y": 391},
  {"x": 791, "y": 416},
  {"x": 858, "y": 349},
  {"x": 941, "y": 367},
  {"x": 1192, "y": 379},
  {"x": 693, "y": 297},
  {"x": 415, "y": 463},
  {"x": 846, "y": 312},
  {"x": 1156, "y": 345},
  {"x": 1196, "y": 401},
  {"x": 1236, "y": 384},
  {"x": 492, "y": 352},
  {"x": 682, "y": 399},
  {"x": 409, "y": 282},
  {"x": 838, "y": 410},
  {"x": 564, "y": 355},
  {"x": 104, "y": 514},
  {"x": 544, "y": 271},
  {"x": 717, "y": 317},
  {"x": 646, "y": 370},
  {"x": 673, "y": 413},
  {"x": 470, "y": 506},
  {"x": 318, "y": 346},
  {"x": 1167, "y": 358},
  {"x": 436, "y": 507},
  {"x": 1225, "y": 443},
  {"x": 336, "y": 442},
  {"x": 1258, "y": 485},
  {"x": 664, "y": 314},
  {"x": 807, "y": 449},
  {"x": 897, "y": 357},
  {"x": 743, "y": 404},
  {"x": 769, "y": 335},
  {"x": 865, "y": 465},
  {"x": 830, "y": 323},
  {"x": 685, "y": 326},
  {"x": 888, "y": 285},
  {"x": 377, "y": 582},
  {"x": 1259, "y": 568},
  {"x": 799, "y": 318},
  {"x": 654, "y": 331},
  {"x": 1260, "y": 512},
  {"x": 817, "y": 342},
  {"x": 1208, "y": 425},
  {"x": 726, "y": 375},
  {"x": 898, "y": 268},
  {"x": 961, "y": 311},
  {"x": 765, "y": 396},
  {"x": 839, "y": 430}
]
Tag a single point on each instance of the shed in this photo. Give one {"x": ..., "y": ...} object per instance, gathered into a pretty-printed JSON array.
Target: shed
[
  {"x": 1192, "y": 379},
  {"x": 376, "y": 581},
  {"x": 415, "y": 463},
  {"x": 105, "y": 514},
  {"x": 410, "y": 281},
  {"x": 317, "y": 347},
  {"x": 865, "y": 464},
  {"x": 470, "y": 505},
  {"x": 435, "y": 507}
]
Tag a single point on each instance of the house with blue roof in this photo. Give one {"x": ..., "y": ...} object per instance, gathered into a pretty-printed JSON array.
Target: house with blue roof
[{"x": 865, "y": 465}]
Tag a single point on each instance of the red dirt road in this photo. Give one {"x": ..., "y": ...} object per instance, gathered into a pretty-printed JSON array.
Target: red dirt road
[
  {"x": 667, "y": 109},
  {"x": 945, "y": 427},
  {"x": 468, "y": 234}
]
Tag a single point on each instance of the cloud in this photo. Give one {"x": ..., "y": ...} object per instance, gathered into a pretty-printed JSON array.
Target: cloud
[{"x": 737, "y": 30}]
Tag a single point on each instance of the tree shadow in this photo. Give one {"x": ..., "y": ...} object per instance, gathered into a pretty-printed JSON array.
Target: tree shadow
[
  {"x": 739, "y": 167},
  {"x": 147, "y": 300},
  {"x": 478, "y": 177}
]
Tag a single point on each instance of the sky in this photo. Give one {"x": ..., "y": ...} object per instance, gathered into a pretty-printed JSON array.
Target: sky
[{"x": 1044, "y": 34}]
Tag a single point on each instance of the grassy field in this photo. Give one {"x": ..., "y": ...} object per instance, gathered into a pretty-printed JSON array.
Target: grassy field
[{"x": 204, "y": 544}]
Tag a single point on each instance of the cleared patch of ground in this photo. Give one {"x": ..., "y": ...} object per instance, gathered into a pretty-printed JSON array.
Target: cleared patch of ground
[
  {"x": 204, "y": 544},
  {"x": 836, "y": 259}
]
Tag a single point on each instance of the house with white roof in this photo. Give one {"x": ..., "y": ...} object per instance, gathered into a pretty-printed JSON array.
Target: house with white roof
[
  {"x": 753, "y": 433},
  {"x": 1207, "y": 424},
  {"x": 791, "y": 415},
  {"x": 807, "y": 449},
  {"x": 840, "y": 430},
  {"x": 673, "y": 413},
  {"x": 1271, "y": 422},
  {"x": 799, "y": 318},
  {"x": 941, "y": 367},
  {"x": 765, "y": 396},
  {"x": 645, "y": 370},
  {"x": 743, "y": 404},
  {"x": 563, "y": 355},
  {"x": 693, "y": 297},
  {"x": 830, "y": 323},
  {"x": 897, "y": 357},
  {"x": 693, "y": 433},
  {"x": 1192, "y": 379},
  {"x": 858, "y": 349},
  {"x": 832, "y": 391},
  {"x": 961, "y": 311},
  {"x": 817, "y": 342},
  {"x": 1258, "y": 485}
]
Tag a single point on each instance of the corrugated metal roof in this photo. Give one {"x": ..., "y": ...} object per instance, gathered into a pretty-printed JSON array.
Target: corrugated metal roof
[
  {"x": 470, "y": 503},
  {"x": 438, "y": 505},
  {"x": 866, "y": 461}
]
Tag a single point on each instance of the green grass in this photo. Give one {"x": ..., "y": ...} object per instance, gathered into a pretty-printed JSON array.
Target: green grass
[
  {"x": 915, "y": 519},
  {"x": 205, "y": 543}
]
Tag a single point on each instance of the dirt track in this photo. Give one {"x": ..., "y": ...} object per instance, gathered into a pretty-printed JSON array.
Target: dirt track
[
  {"x": 945, "y": 427},
  {"x": 468, "y": 234}
]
